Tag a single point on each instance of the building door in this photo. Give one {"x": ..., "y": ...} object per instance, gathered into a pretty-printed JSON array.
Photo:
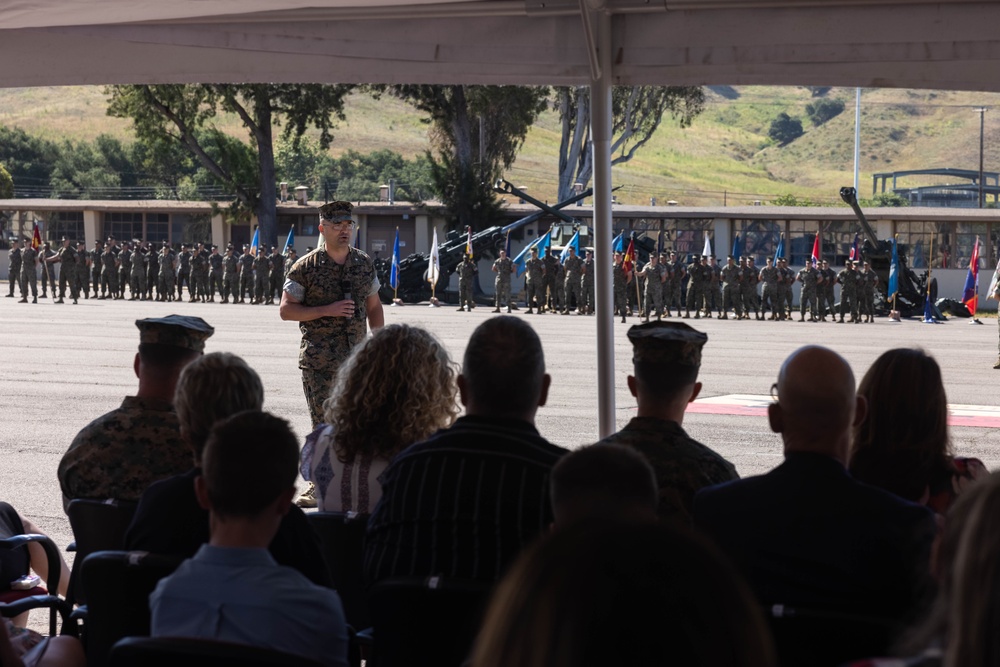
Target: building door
[{"x": 381, "y": 235}]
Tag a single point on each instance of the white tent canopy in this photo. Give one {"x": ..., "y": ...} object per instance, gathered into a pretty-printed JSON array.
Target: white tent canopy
[{"x": 889, "y": 43}]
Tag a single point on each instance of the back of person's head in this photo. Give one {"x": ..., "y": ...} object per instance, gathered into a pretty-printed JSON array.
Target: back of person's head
[
  {"x": 250, "y": 460},
  {"x": 603, "y": 482},
  {"x": 609, "y": 594},
  {"x": 158, "y": 358},
  {"x": 211, "y": 388},
  {"x": 903, "y": 441},
  {"x": 816, "y": 404},
  {"x": 972, "y": 637},
  {"x": 503, "y": 371},
  {"x": 666, "y": 357},
  {"x": 395, "y": 388}
]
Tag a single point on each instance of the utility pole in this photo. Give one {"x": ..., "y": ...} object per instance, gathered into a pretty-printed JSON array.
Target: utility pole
[{"x": 982, "y": 116}]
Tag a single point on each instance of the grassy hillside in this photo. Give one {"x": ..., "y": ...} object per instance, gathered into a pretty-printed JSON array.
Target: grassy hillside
[{"x": 725, "y": 156}]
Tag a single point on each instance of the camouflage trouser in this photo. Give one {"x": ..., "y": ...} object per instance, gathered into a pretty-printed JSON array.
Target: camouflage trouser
[
  {"x": 731, "y": 299},
  {"x": 502, "y": 290},
  {"x": 109, "y": 282},
  {"x": 137, "y": 284},
  {"x": 13, "y": 279},
  {"x": 95, "y": 276},
  {"x": 200, "y": 284},
  {"x": 465, "y": 294},
  {"x": 46, "y": 269},
  {"x": 560, "y": 298},
  {"x": 316, "y": 385},
  {"x": 848, "y": 302},
  {"x": 621, "y": 300},
  {"x": 696, "y": 297},
  {"x": 79, "y": 277},
  {"x": 652, "y": 298},
  {"x": 770, "y": 300},
  {"x": 788, "y": 299},
  {"x": 184, "y": 278},
  {"x": 215, "y": 284},
  {"x": 277, "y": 279},
  {"x": 714, "y": 298},
  {"x": 749, "y": 295},
  {"x": 74, "y": 287},
  {"x": 29, "y": 279},
  {"x": 260, "y": 284},
  {"x": 123, "y": 276},
  {"x": 675, "y": 296},
  {"x": 165, "y": 286},
  {"x": 245, "y": 286},
  {"x": 867, "y": 302},
  {"x": 572, "y": 293},
  {"x": 534, "y": 294},
  {"x": 229, "y": 287},
  {"x": 830, "y": 301},
  {"x": 588, "y": 296},
  {"x": 808, "y": 297},
  {"x": 549, "y": 292}
]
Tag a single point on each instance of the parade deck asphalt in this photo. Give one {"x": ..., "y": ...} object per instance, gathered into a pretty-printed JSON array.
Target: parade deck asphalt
[{"x": 64, "y": 365}]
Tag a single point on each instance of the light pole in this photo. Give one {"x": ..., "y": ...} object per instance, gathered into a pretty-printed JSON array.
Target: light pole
[{"x": 982, "y": 116}]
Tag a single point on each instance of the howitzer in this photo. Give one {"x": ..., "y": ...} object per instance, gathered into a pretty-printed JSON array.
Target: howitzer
[
  {"x": 913, "y": 288},
  {"x": 413, "y": 285}
]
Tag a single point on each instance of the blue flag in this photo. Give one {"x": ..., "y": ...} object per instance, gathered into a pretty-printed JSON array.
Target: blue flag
[
  {"x": 574, "y": 243},
  {"x": 507, "y": 245},
  {"x": 736, "y": 247},
  {"x": 394, "y": 276},
  {"x": 255, "y": 243},
  {"x": 290, "y": 241},
  {"x": 542, "y": 243},
  {"x": 928, "y": 313},
  {"x": 893, "y": 273},
  {"x": 618, "y": 245},
  {"x": 779, "y": 253}
]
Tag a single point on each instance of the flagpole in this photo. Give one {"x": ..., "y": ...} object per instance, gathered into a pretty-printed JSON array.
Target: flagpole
[{"x": 930, "y": 268}]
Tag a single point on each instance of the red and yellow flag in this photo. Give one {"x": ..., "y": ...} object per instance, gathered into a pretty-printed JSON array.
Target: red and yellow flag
[
  {"x": 36, "y": 238},
  {"x": 628, "y": 262}
]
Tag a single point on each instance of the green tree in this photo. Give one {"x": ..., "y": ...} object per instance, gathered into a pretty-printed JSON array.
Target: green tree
[
  {"x": 6, "y": 184},
  {"x": 884, "y": 199},
  {"x": 824, "y": 109},
  {"x": 28, "y": 159},
  {"x": 476, "y": 132},
  {"x": 179, "y": 114},
  {"x": 785, "y": 129},
  {"x": 636, "y": 115}
]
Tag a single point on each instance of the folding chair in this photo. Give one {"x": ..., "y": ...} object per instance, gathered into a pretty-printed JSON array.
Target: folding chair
[
  {"x": 14, "y": 603},
  {"x": 342, "y": 538},
  {"x": 97, "y": 525},
  {"x": 118, "y": 599},
  {"x": 425, "y": 621},
  {"x": 174, "y": 651},
  {"x": 819, "y": 638}
]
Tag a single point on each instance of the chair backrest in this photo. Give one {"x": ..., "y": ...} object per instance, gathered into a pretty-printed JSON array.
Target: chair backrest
[
  {"x": 425, "y": 621},
  {"x": 97, "y": 525},
  {"x": 118, "y": 599},
  {"x": 820, "y": 638},
  {"x": 15, "y": 603},
  {"x": 174, "y": 651},
  {"x": 342, "y": 539}
]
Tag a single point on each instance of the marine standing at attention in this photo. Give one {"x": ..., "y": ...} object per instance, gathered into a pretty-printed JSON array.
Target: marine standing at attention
[
  {"x": 332, "y": 292},
  {"x": 503, "y": 267}
]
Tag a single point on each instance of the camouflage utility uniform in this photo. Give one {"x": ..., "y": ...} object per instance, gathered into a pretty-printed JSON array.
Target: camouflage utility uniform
[
  {"x": 682, "y": 465},
  {"x": 230, "y": 277},
  {"x": 184, "y": 273},
  {"x": 696, "y": 291},
  {"x": 137, "y": 276},
  {"x": 120, "y": 454},
  {"x": 620, "y": 278},
  {"x": 534, "y": 284},
  {"x": 771, "y": 299},
  {"x": 165, "y": 283},
  {"x": 809, "y": 277},
  {"x": 572, "y": 293},
  {"x": 14, "y": 269},
  {"x": 215, "y": 277},
  {"x": 652, "y": 295},
  {"x": 67, "y": 258},
  {"x": 731, "y": 291},
  {"x": 549, "y": 295},
  {"x": 587, "y": 285},
  {"x": 501, "y": 284},
  {"x": 29, "y": 274},
  {"x": 848, "y": 279},
  {"x": 261, "y": 277},
  {"x": 109, "y": 273},
  {"x": 316, "y": 280},
  {"x": 246, "y": 276},
  {"x": 466, "y": 275}
]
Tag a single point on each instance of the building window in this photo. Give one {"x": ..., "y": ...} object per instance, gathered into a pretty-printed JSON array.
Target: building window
[
  {"x": 926, "y": 244},
  {"x": 65, "y": 223},
  {"x": 965, "y": 239},
  {"x": 758, "y": 238},
  {"x": 123, "y": 226},
  {"x": 157, "y": 227}
]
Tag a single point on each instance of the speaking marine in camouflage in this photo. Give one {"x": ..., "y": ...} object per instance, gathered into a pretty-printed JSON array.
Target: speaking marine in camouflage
[
  {"x": 119, "y": 454},
  {"x": 666, "y": 357},
  {"x": 332, "y": 292}
]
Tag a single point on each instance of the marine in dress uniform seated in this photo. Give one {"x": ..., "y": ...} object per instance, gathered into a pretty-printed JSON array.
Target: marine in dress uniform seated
[
  {"x": 232, "y": 589},
  {"x": 666, "y": 357},
  {"x": 467, "y": 500},
  {"x": 119, "y": 454},
  {"x": 807, "y": 534}
]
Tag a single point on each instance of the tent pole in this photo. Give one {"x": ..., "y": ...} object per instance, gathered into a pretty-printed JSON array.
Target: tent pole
[{"x": 600, "y": 105}]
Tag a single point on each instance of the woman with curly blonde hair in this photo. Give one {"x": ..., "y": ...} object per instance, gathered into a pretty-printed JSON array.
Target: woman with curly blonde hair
[{"x": 395, "y": 389}]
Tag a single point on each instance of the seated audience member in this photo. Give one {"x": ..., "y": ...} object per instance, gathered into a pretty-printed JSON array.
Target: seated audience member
[
  {"x": 16, "y": 564},
  {"x": 169, "y": 519},
  {"x": 807, "y": 534},
  {"x": 232, "y": 589},
  {"x": 395, "y": 388},
  {"x": 903, "y": 445},
  {"x": 610, "y": 595},
  {"x": 21, "y": 647},
  {"x": 467, "y": 500},
  {"x": 608, "y": 482},
  {"x": 119, "y": 454},
  {"x": 666, "y": 357}
]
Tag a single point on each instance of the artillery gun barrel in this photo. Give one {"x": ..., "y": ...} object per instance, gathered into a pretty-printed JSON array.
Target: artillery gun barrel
[{"x": 850, "y": 197}]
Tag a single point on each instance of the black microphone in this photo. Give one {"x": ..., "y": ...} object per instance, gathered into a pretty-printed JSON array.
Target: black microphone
[{"x": 345, "y": 287}]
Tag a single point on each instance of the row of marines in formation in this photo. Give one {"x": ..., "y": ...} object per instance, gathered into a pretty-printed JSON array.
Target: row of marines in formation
[
  {"x": 109, "y": 268},
  {"x": 711, "y": 287}
]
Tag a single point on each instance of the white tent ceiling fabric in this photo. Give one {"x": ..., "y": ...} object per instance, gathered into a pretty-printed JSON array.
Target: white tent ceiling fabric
[{"x": 795, "y": 42}]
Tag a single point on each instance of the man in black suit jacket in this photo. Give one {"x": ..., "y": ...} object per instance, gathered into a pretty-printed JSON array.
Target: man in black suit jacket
[{"x": 807, "y": 534}]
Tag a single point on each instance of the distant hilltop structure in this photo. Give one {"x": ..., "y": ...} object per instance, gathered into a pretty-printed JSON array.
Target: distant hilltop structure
[{"x": 949, "y": 195}]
